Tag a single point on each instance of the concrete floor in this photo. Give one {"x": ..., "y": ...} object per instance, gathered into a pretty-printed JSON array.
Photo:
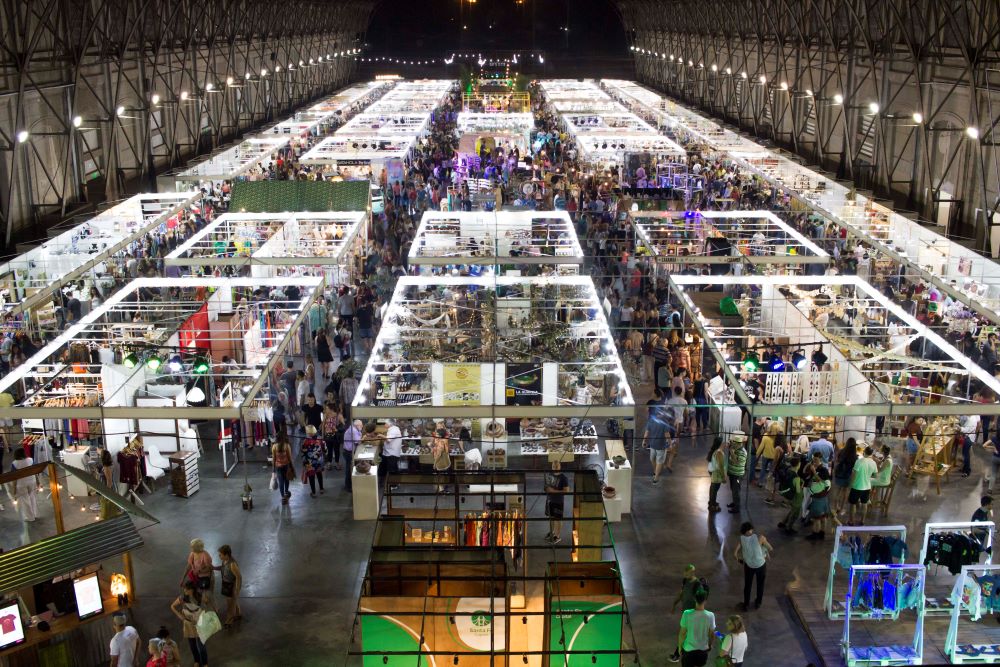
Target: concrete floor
[{"x": 303, "y": 562}]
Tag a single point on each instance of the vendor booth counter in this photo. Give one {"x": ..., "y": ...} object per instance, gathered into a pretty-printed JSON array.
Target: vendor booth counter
[
  {"x": 86, "y": 253},
  {"x": 525, "y": 240},
  {"x": 679, "y": 239},
  {"x": 463, "y": 576},
  {"x": 525, "y": 365},
  {"x": 158, "y": 353},
  {"x": 876, "y": 365},
  {"x": 275, "y": 244}
]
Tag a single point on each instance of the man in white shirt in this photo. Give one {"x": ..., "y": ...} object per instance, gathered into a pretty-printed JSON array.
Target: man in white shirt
[
  {"x": 392, "y": 449},
  {"x": 125, "y": 643}
]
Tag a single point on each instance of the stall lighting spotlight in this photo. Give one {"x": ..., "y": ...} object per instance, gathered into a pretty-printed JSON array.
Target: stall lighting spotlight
[
  {"x": 838, "y": 99},
  {"x": 783, "y": 85},
  {"x": 751, "y": 362},
  {"x": 264, "y": 72},
  {"x": 690, "y": 63},
  {"x": 729, "y": 70},
  {"x": 972, "y": 132},
  {"x": 175, "y": 365},
  {"x": 763, "y": 79},
  {"x": 209, "y": 87},
  {"x": 777, "y": 365},
  {"x": 120, "y": 111},
  {"x": 155, "y": 99},
  {"x": 131, "y": 361},
  {"x": 247, "y": 76},
  {"x": 874, "y": 107},
  {"x": 229, "y": 80},
  {"x": 809, "y": 92},
  {"x": 918, "y": 117},
  {"x": 154, "y": 362},
  {"x": 200, "y": 365},
  {"x": 743, "y": 74},
  {"x": 715, "y": 68},
  {"x": 77, "y": 121},
  {"x": 184, "y": 95},
  {"x": 799, "y": 360}
]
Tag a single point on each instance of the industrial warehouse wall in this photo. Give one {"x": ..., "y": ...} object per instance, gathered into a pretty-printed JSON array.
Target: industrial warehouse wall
[
  {"x": 776, "y": 69},
  {"x": 151, "y": 83}
]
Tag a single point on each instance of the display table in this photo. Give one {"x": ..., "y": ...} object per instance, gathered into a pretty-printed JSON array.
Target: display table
[
  {"x": 621, "y": 479},
  {"x": 365, "y": 494},
  {"x": 75, "y": 457},
  {"x": 184, "y": 479},
  {"x": 613, "y": 508},
  {"x": 62, "y": 625}
]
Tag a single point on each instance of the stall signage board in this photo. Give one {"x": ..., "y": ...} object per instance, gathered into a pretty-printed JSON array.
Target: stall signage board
[
  {"x": 523, "y": 384},
  {"x": 600, "y": 632},
  {"x": 446, "y": 625},
  {"x": 462, "y": 384},
  {"x": 386, "y": 393},
  {"x": 353, "y": 163}
]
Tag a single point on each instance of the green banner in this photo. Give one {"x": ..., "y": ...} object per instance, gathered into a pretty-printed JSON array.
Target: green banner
[
  {"x": 295, "y": 196},
  {"x": 575, "y": 630}
]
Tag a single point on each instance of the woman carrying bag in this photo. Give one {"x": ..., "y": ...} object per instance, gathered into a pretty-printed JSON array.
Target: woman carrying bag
[
  {"x": 281, "y": 456},
  {"x": 734, "y": 644},
  {"x": 312, "y": 460},
  {"x": 187, "y": 607}
]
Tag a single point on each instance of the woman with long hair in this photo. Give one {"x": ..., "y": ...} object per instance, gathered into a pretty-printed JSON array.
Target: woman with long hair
[{"x": 734, "y": 644}]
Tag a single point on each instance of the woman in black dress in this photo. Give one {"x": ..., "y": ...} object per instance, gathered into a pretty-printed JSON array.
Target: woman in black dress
[{"x": 323, "y": 353}]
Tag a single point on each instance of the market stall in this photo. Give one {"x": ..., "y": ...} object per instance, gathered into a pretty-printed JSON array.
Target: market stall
[
  {"x": 525, "y": 365},
  {"x": 458, "y": 577},
  {"x": 726, "y": 239},
  {"x": 526, "y": 241},
  {"x": 76, "y": 570},
  {"x": 876, "y": 367},
  {"x": 133, "y": 373},
  {"x": 275, "y": 244},
  {"x": 87, "y": 255}
]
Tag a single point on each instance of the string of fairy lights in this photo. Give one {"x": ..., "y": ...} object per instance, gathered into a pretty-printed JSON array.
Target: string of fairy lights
[{"x": 475, "y": 57}]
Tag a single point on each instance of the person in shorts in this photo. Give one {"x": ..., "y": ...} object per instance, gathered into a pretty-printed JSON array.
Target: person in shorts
[
  {"x": 861, "y": 486},
  {"x": 659, "y": 429},
  {"x": 556, "y": 487}
]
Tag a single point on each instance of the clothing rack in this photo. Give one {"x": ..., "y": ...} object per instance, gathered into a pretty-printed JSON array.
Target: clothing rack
[
  {"x": 841, "y": 536},
  {"x": 970, "y": 653},
  {"x": 910, "y": 653},
  {"x": 963, "y": 527}
]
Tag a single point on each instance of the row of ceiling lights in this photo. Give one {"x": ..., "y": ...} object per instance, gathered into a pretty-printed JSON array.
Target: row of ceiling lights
[
  {"x": 231, "y": 82},
  {"x": 873, "y": 107}
]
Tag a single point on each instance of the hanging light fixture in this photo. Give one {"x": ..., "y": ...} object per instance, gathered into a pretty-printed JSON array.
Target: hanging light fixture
[
  {"x": 175, "y": 364},
  {"x": 751, "y": 362},
  {"x": 200, "y": 365},
  {"x": 131, "y": 361},
  {"x": 799, "y": 360},
  {"x": 154, "y": 362},
  {"x": 777, "y": 364}
]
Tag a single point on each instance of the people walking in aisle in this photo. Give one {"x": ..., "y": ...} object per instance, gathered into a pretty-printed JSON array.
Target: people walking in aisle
[
  {"x": 556, "y": 488},
  {"x": 334, "y": 427},
  {"x": 188, "y": 608},
  {"x": 752, "y": 552},
  {"x": 124, "y": 643},
  {"x": 323, "y": 352},
  {"x": 352, "y": 439},
  {"x": 281, "y": 461},
  {"x": 168, "y": 647},
  {"x": 697, "y": 634},
  {"x": 861, "y": 487},
  {"x": 199, "y": 568},
  {"x": 691, "y": 584},
  {"x": 736, "y": 468},
  {"x": 313, "y": 460},
  {"x": 733, "y": 648},
  {"x": 658, "y": 430},
  {"x": 232, "y": 584},
  {"x": 718, "y": 470}
]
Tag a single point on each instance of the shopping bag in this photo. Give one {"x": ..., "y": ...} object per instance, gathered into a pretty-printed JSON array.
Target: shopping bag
[
  {"x": 208, "y": 624},
  {"x": 274, "y": 481}
]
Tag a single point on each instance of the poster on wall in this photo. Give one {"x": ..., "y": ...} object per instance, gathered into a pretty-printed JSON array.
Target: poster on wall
[
  {"x": 462, "y": 384},
  {"x": 523, "y": 385},
  {"x": 447, "y": 626},
  {"x": 394, "y": 171},
  {"x": 583, "y": 627}
]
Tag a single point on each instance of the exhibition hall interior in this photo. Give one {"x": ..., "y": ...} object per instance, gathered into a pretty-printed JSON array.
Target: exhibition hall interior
[{"x": 492, "y": 333}]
